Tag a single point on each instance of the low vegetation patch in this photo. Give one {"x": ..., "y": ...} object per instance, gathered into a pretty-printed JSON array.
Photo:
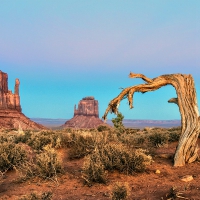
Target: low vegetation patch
[
  {"x": 105, "y": 150},
  {"x": 94, "y": 170},
  {"x": 80, "y": 145},
  {"x": 47, "y": 164},
  {"x": 38, "y": 140},
  {"x": 158, "y": 139},
  {"x": 114, "y": 157},
  {"x": 11, "y": 155}
]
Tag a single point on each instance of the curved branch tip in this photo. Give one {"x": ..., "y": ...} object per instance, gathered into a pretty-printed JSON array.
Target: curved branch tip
[{"x": 173, "y": 100}]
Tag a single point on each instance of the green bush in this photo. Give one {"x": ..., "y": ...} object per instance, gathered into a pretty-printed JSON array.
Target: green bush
[
  {"x": 118, "y": 123},
  {"x": 120, "y": 191},
  {"x": 11, "y": 155}
]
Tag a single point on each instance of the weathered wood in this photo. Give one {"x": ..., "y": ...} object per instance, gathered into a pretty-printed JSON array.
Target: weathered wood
[{"x": 186, "y": 100}]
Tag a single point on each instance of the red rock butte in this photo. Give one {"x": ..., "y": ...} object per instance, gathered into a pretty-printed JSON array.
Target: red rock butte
[
  {"x": 11, "y": 115},
  {"x": 86, "y": 115}
]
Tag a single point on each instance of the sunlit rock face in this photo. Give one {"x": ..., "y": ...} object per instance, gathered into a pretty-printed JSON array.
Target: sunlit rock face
[
  {"x": 11, "y": 115},
  {"x": 86, "y": 115}
]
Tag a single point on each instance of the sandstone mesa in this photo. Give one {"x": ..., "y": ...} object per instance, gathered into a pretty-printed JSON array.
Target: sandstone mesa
[{"x": 86, "y": 115}]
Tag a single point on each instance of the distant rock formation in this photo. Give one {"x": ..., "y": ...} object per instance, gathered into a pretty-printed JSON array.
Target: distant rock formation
[
  {"x": 8, "y": 100},
  {"x": 86, "y": 115},
  {"x": 88, "y": 106},
  {"x": 10, "y": 108}
]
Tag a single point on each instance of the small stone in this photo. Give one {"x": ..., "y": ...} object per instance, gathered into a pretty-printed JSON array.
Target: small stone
[
  {"x": 165, "y": 156},
  {"x": 187, "y": 178},
  {"x": 157, "y": 171}
]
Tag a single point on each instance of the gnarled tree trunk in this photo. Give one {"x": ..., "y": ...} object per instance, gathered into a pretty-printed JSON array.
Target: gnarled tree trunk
[{"x": 187, "y": 149}]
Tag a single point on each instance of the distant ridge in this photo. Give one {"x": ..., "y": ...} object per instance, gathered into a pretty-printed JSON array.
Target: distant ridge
[{"x": 129, "y": 123}]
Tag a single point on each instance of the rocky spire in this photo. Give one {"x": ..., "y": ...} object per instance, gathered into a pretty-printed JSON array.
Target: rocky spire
[
  {"x": 17, "y": 86},
  {"x": 10, "y": 108},
  {"x": 8, "y": 100}
]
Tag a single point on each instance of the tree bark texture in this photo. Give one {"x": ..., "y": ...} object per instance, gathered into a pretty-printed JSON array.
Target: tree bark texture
[{"x": 187, "y": 149}]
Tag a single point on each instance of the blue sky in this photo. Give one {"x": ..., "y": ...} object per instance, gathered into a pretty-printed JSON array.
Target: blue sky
[{"x": 65, "y": 50}]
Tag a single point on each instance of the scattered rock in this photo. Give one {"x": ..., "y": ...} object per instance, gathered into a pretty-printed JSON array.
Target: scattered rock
[
  {"x": 187, "y": 178},
  {"x": 157, "y": 171}
]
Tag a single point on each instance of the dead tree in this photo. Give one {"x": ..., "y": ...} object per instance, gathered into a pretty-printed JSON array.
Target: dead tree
[{"x": 187, "y": 149}]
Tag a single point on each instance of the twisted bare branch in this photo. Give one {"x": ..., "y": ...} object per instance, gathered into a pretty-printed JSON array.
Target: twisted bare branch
[{"x": 187, "y": 102}]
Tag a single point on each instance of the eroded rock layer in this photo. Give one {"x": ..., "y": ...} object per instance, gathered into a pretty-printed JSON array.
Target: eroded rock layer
[{"x": 86, "y": 115}]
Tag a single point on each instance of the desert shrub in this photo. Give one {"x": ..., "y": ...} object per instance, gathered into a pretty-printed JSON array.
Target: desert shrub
[
  {"x": 3, "y": 139},
  {"x": 175, "y": 129},
  {"x": 93, "y": 169},
  {"x": 27, "y": 170},
  {"x": 131, "y": 130},
  {"x": 140, "y": 139},
  {"x": 132, "y": 140},
  {"x": 80, "y": 145},
  {"x": 113, "y": 157},
  {"x": 11, "y": 155},
  {"x": 120, "y": 191},
  {"x": 40, "y": 139},
  {"x": 158, "y": 139},
  {"x": 126, "y": 160},
  {"x": 7, "y": 138},
  {"x": 35, "y": 196},
  {"x": 47, "y": 164},
  {"x": 68, "y": 130},
  {"x": 174, "y": 136},
  {"x": 23, "y": 137},
  {"x": 92, "y": 130}
]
